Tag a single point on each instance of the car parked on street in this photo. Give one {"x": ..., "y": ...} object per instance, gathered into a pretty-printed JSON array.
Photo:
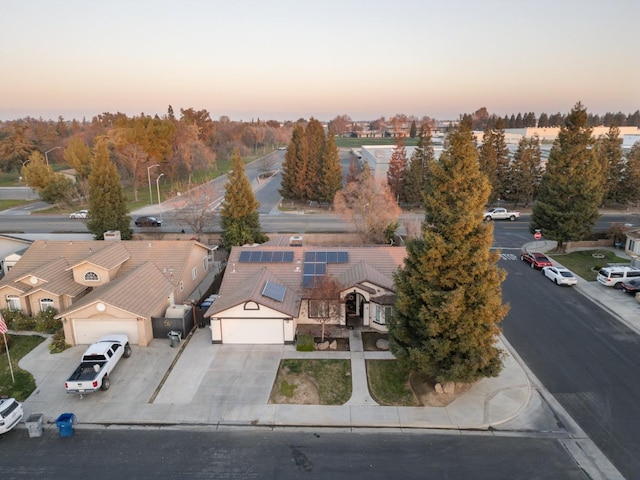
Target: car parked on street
[
  {"x": 631, "y": 286},
  {"x": 560, "y": 276},
  {"x": 148, "y": 222},
  {"x": 80, "y": 214},
  {"x": 536, "y": 260},
  {"x": 10, "y": 414}
]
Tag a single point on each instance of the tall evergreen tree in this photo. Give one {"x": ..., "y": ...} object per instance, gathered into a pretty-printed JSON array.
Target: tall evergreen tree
[
  {"x": 572, "y": 184},
  {"x": 525, "y": 171},
  {"x": 294, "y": 166},
  {"x": 239, "y": 213},
  {"x": 418, "y": 170},
  {"x": 503, "y": 159},
  {"x": 488, "y": 162},
  {"x": 609, "y": 152},
  {"x": 107, "y": 204},
  {"x": 629, "y": 188},
  {"x": 413, "y": 130},
  {"x": 397, "y": 172},
  {"x": 315, "y": 139},
  {"x": 448, "y": 292},
  {"x": 330, "y": 181}
]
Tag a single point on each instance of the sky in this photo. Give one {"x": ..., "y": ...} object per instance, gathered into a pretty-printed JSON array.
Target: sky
[{"x": 290, "y": 59}]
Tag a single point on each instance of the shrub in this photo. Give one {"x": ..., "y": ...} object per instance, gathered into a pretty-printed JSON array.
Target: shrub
[
  {"x": 20, "y": 321},
  {"x": 2, "y": 345},
  {"x": 58, "y": 343},
  {"x": 45, "y": 321},
  {"x": 304, "y": 343}
]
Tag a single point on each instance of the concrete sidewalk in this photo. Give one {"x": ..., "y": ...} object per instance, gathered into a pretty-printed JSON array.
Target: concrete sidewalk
[{"x": 205, "y": 384}]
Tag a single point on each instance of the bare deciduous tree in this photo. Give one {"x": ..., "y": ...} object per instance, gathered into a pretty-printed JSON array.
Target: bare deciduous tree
[{"x": 199, "y": 208}]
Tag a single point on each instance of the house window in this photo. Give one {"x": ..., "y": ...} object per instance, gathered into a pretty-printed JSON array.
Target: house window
[
  {"x": 632, "y": 245},
  {"x": 383, "y": 314},
  {"x": 45, "y": 303},
  {"x": 321, "y": 308},
  {"x": 194, "y": 273},
  {"x": 91, "y": 277},
  {"x": 13, "y": 303},
  {"x": 205, "y": 263}
]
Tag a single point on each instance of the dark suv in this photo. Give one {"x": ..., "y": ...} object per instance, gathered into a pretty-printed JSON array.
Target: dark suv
[{"x": 148, "y": 222}]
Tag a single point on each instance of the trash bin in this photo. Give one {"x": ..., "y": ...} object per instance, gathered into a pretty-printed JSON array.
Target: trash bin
[
  {"x": 65, "y": 424},
  {"x": 174, "y": 338},
  {"x": 34, "y": 424}
]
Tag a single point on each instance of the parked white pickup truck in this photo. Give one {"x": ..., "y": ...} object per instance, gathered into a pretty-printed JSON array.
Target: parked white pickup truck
[
  {"x": 500, "y": 214},
  {"x": 98, "y": 361}
]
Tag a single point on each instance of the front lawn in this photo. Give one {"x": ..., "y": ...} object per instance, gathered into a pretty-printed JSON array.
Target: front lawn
[
  {"x": 389, "y": 383},
  {"x": 327, "y": 382},
  {"x": 24, "y": 384},
  {"x": 584, "y": 264}
]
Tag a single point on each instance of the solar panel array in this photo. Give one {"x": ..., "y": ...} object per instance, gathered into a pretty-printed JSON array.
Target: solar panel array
[
  {"x": 274, "y": 291},
  {"x": 264, "y": 256},
  {"x": 315, "y": 265}
]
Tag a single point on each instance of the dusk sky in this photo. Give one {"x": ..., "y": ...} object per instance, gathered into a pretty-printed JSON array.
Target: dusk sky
[{"x": 286, "y": 59}]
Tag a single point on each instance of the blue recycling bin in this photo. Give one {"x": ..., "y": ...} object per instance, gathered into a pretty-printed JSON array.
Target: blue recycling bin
[{"x": 65, "y": 424}]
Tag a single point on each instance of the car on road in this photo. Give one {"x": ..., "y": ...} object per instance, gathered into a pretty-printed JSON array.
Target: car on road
[
  {"x": 536, "y": 260},
  {"x": 148, "y": 222},
  {"x": 80, "y": 214},
  {"x": 631, "y": 286},
  {"x": 10, "y": 414},
  {"x": 560, "y": 276}
]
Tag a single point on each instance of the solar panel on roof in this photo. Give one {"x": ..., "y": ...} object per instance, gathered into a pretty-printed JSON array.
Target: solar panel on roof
[
  {"x": 265, "y": 256},
  {"x": 309, "y": 256},
  {"x": 308, "y": 281},
  {"x": 343, "y": 257},
  {"x": 327, "y": 257},
  {"x": 274, "y": 291}
]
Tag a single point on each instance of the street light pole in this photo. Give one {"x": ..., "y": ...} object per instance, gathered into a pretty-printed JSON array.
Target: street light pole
[
  {"x": 149, "y": 180},
  {"x": 158, "y": 188},
  {"x": 46, "y": 156}
]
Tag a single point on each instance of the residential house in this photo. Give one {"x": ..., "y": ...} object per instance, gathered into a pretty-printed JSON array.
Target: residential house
[
  {"x": 266, "y": 291},
  {"x": 101, "y": 287}
]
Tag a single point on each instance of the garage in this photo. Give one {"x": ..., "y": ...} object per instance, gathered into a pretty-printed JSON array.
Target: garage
[
  {"x": 252, "y": 331},
  {"x": 87, "y": 331}
]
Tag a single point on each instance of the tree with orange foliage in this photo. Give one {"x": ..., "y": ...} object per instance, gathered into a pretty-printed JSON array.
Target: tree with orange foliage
[{"x": 369, "y": 205}]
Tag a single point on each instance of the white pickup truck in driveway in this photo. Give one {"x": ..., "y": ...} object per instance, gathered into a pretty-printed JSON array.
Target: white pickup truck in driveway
[
  {"x": 98, "y": 361},
  {"x": 500, "y": 214}
]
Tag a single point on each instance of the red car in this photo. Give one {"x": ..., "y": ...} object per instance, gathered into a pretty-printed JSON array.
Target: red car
[{"x": 536, "y": 260}]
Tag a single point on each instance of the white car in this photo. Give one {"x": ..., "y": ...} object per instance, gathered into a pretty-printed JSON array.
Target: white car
[
  {"x": 560, "y": 276},
  {"x": 80, "y": 214},
  {"x": 10, "y": 414}
]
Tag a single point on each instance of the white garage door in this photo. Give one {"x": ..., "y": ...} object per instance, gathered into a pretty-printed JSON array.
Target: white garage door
[
  {"x": 252, "y": 331},
  {"x": 89, "y": 330}
]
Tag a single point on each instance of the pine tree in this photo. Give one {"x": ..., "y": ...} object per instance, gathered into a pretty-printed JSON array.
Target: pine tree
[
  {"x": 609, "y": 153},
  {"x": 571, "y": 189},
  {"x": 448, "y": 292},
  {"x": 525, "y": 171},
  {"x": 315, "y": 140},
  {"x": 397, "y": 172},
  {"x": 502, "y": 159},
  {"x": 107, "y": 205},
  {"x": 629, "y": 189},
  {"x": 239, "y": 214},
  {"x": 418, "y": 170},
  {"x": 294, "y": 166},
  {"x": 413, "y": 130},
  {"x": 330, "y": 181},
  {"x": 488, "y": 162}
]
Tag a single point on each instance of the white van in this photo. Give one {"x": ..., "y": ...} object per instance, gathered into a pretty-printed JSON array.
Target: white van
[
  {"x": 10, "y": 414},
  {"x": 614, "y": 276}
]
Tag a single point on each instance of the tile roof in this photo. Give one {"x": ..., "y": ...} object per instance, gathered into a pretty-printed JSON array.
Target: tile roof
[
  {"x": 244, "y": 281},
  {"x": 139, "y": 293},
  {"x": 52, "y": 262}
]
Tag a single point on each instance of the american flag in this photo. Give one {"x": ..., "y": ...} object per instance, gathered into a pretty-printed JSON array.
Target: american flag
[{"x": 3, "y": 326}]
